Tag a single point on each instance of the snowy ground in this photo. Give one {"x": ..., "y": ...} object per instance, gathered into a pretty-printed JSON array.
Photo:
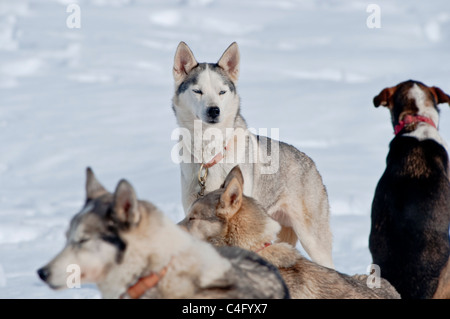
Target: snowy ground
[{"x": 100, "y": 95}]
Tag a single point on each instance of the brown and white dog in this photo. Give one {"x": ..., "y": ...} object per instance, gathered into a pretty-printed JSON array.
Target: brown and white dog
[
  {"x": 409, "y": 237},
  {"x": 226, "y": 217}
]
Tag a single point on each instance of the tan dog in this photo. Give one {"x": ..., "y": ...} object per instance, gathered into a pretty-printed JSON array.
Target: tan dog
[
  {"x": 226, "y": 217},
  {"x": 130, "y": 249}
]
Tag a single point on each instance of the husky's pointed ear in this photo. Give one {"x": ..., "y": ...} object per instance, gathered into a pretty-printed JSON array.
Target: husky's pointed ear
[
  {"x": 439, "y": 95},
  {"x": 229, "y": 61},
  {"x": 231, "y": 200},
  {"x": 93, "y": 187},
  {"x": 385, "y": 97},
  {"x": 125, "y": 204},
  {"x": 184, "y": 62},
  {"x": 234, "y": 173}
]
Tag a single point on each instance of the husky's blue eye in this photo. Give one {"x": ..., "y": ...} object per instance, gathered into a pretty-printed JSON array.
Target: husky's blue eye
[
  {"x": 222, "y": 92},
  {"x": 198, "y": 91}
]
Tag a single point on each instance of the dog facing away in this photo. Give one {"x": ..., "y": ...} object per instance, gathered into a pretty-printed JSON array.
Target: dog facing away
[
  {"x": 409, "y": 236},
  {"x": 286, "y": 182},
  {"x": 226, "y": 217},
  {"x": 131, "y": 250}
]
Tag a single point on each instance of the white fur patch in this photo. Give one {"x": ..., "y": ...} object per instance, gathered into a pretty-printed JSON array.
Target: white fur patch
[
  {"x": 425, "y": 106},
  {"x": 425, "y": 131},
  {"x": 272, "y": 228}
]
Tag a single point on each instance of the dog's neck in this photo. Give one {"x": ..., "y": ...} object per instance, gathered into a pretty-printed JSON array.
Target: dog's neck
[
  {"x": 410, "y": 122},
  {"x": 251, "y": 228},
  {"x": 203, "y": 145},
  {"x": 142, "y": 256},
  {"x": 169, "y": 250}
]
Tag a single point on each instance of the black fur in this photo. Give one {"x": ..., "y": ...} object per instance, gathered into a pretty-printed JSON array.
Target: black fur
[{"x": 409, "y": 238}]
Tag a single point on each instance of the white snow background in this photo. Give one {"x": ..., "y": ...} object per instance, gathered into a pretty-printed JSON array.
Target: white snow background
[{"x": 100, "y": 96}]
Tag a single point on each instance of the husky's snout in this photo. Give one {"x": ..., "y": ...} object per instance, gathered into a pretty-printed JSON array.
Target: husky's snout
[{"x": 213, "y": 113}]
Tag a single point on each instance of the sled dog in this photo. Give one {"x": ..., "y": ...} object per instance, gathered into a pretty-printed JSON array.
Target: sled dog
[
  {"x": 226, "y": 217},
  {"x": 132, "y": 250},
  {"x": 283, "y": 179}
]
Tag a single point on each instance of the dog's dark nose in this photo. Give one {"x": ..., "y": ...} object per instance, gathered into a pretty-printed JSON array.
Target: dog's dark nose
[
  {"x": 213, "y": 112},
  {"x": 43, "y": 273}
]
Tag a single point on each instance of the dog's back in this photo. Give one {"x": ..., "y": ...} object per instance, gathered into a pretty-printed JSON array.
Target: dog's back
[{"x": 409, "y": 239}]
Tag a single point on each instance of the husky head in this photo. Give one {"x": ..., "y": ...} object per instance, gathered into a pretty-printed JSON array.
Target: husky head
[
  {"x": 226, "y": 217},
  {"x": 206, "y": 91},
  {"x": 96, "y": 238}
]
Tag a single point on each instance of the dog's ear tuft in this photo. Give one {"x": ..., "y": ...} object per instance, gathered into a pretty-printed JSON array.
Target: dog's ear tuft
[
  {"x": 229, "y": 61},
  {"x": 125, "y": 204},
  {"x": 93, "y": 187},
  {"x": 231, "y": 200},
  {"x": 234, "y": 173},
  {"x": 385, "y": 97},
  {"x": 439, "y": 95},
  {"x": 184, "y": 62}
]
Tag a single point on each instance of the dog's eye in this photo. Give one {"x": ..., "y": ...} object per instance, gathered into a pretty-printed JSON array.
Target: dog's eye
[
  {"x": 197, "y": 91},
  {"x": 82, "y": 241},
  {"x": 191, "y": 218},
  {"x": 222, "y": 92}
]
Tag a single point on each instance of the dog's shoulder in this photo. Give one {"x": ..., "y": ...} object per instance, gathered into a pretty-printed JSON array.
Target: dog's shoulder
[{"x": 413, "y": 157}]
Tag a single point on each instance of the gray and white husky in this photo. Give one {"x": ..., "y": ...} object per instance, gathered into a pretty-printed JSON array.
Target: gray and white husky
[
  {"x": 285, "y": 180},
  {"x": 131, "y": 250}
]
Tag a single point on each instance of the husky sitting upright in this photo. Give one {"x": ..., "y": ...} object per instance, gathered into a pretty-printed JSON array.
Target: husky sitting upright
[
  {"x": 293, "y": 193},
  {"x": 226, "y": 217},
  {"x": 131, "y": 250}
]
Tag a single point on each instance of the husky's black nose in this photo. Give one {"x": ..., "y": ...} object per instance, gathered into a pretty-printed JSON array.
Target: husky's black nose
[
  {"x": 213, "y": 112},
  {"x": 43, "y": 273}
]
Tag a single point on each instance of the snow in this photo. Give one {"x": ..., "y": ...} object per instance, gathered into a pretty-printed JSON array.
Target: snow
[{"x": 100, "y": 96}]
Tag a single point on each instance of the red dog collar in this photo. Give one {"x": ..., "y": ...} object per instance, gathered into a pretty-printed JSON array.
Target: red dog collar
[{"x": 412, "y": 119}]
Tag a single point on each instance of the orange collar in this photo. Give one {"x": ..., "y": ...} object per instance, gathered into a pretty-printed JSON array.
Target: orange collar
[
  {"x": 145, "y": 283},
  {"x": 264, "y": 246}
]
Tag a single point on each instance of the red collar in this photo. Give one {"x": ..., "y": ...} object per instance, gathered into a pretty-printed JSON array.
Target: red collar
[
  {"x": 219, "y": 156},
  {"x": 264, "y": 246},
  {"x": 412, "y": 119}
]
